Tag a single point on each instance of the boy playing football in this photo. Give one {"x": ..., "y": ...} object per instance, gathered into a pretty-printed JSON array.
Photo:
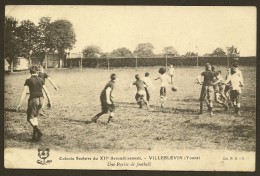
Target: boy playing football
[
  {"x": 164, "y": 83},
  {"x": 236, "y": 82},
  {"x": 207, "y": 90},
  {"x": 107, "y": 103},
  {"x": 35, "y": 85},
  {"x": 140, "y": 95}
]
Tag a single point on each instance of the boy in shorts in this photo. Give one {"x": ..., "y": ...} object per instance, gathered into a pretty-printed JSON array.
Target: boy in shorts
[
  {"x": 207, "y": 91},
  {"x": 140, "y": 95},
  {"x": 171, "y": 72},
  {"x": 107, "y": 103},
  {"x": 164, "y": 78},
  {"x": 236, "y": 82},
  {"x": 35, "y": 85}
]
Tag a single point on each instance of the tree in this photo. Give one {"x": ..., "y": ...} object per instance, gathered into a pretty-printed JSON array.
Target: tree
[
  {"x": 45, "y": 44},
  {"x": 191, "y": 54},
  {"x": 122, "y": 52},
  {"x": 144, "y": 50},
  {"x": 11, "y": 44},
  {"x": 92, "y": 51},
  {"x": 28, "y": 36},
  {"x": 62, "y": 37},
  {"x": 170, "y": 51},
  {"x": 232, "y": 51},
  {"x": 218, "y": 52}
]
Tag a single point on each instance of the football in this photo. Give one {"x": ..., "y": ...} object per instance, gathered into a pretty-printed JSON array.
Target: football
[{"x": 174, "y": 88}]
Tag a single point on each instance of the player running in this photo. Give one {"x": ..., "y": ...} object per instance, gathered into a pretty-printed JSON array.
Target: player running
[
  {"x": 207, "y": 90},
  {"x": 165, "y": 81},
  {"x": 35, "y": 85},
  {"x": 140, "y": 95},
  {"x": 236, "y": 82},
  {"x": 106, "y": 100}
]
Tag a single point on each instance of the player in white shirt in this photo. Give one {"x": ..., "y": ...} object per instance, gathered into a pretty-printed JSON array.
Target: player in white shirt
[
  {"x": 148, "y": 86},
  {"x": 236, "y": 82},
  {"x": 165, "y": 81}
]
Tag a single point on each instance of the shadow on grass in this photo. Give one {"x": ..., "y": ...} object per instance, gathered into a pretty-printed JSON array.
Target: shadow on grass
[
  {"x": 175, "y": 110},
  {"x": 14, "y": 110}
]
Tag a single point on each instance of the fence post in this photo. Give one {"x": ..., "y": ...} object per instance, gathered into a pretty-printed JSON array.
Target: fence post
[
  {"x": 136, "y": 62},
  {"x": 108, "y": 63},
  {"x": 166, "y": 61},
  {"x": 197, "y": 61},
  {"x": 228, "y": 61}
]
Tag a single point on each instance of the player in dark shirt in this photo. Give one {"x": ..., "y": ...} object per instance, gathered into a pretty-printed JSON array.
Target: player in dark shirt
[
  {"x": 207, "y": 88},
  {"x": 44, "y": 76},
  {"x": 35, "y": 86},
  {"x": 106, "y": 99}
]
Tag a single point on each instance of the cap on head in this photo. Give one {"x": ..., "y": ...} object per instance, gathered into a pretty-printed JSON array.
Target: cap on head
[
  {"x": 113, "y": 76},
  {"x": 146, "y": 74},
  {"x": 235, "y": 64},
  {"x": 162, "y": 70},
  {"x": 34, "y": 69}
]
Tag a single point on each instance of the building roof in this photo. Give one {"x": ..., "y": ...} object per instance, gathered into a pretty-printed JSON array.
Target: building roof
[{"x": 75, "y": 55}]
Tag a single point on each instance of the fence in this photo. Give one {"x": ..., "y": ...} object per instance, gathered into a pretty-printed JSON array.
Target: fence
[{"x": 143, "y": 62}]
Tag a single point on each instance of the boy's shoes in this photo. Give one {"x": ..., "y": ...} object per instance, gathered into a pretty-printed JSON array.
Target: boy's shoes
[
  {"x": 109, "y": 119},
  {"x": 226, "y": 107},
  {"x": 200, "y": 113},
  {"x": 211, "y": 113}
]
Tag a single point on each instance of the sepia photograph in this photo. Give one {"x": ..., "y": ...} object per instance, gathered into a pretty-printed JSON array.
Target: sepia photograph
[{"x": 95, "y": 87}]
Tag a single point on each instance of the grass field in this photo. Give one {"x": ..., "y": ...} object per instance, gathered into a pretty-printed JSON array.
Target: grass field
[{"x": 177, "y": 126}]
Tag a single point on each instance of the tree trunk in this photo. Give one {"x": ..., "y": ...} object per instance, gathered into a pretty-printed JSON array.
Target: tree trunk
[{"x": 12, "y": 66}]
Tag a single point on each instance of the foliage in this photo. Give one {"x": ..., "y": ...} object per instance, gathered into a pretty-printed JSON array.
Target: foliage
[
  {"x": 11, "y": 45},
  {"x": 28, "y": 36},
  {"x": 218, "y": 52},
  {"x": 170, "y": 51},
  {"x": 92, "y": 51},
  {"x": 191, "y": 54},
  {"x": 232, "y": 51},
  {"x": 122, "y": 52},
  {"x": 144, "y": 50}
]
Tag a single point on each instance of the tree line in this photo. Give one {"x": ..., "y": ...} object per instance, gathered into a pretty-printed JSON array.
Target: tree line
[
  {"x": 145, "y": 50},
  {"x": 29, "y": 40},
  {"x": 26, "y": 39}
]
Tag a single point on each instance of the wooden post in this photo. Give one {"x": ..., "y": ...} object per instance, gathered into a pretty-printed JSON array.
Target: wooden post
[
  {"x": 197, "y": 61},
  {"x": 108, "y": 63},
  {"x": 166, "y": 61},
  {"x": 228, "y": 61},
  {"x": 136, "y": 62},
  {"x": 80, "y": 63},
  {"x": 46, "y": 60}
]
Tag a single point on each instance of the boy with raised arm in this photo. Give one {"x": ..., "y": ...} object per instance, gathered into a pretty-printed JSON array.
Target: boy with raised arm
[
  {"x": 35, "y": 85},
  {"x": 107, "y": 103}
]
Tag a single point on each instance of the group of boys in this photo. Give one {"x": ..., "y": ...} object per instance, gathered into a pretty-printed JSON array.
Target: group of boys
[
  {"x": 214, "y": 87},
  {"x": 225, "y": 92}
]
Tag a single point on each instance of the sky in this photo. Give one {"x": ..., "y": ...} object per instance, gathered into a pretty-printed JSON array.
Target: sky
[{"x": 196, "y": 29}]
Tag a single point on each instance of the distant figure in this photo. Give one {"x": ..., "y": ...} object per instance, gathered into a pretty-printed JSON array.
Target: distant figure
[
  {"x": 106, "y": 99},
  {"x": 236, "y": 82},
  {"x": 207, "y": 90},
  {"x": 171, "y": 72},
  {"x": 35, "y": 85},
  {"x": 140, "y": 95}
]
